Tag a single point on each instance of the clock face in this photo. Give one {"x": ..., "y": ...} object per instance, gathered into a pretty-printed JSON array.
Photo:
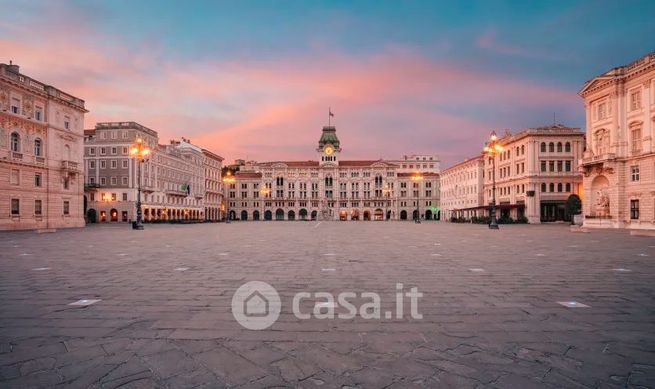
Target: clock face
[{"x": 329, "y": 150}]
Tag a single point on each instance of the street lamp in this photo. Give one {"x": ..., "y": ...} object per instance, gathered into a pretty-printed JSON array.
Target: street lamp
[
  {"x": 228, "y": 179},
  {"x": 265, "y": 192},
  {"x": 492, "y": 148},
  {"x": 417, "y": 178},
  {"x": 387, "y": 193},
  {"x": 140, "y": 152}
]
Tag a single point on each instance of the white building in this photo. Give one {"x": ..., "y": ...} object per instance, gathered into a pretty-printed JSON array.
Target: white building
[
  {"x": 41, "y": 144},
  {"x": 462, "y": 195},
  {"x": 329, "y": 188},
  {"x": 619, "y": 161}
]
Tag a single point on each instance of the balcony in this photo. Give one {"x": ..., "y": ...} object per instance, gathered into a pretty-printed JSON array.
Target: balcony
[
  {"x": 18, "y": 156},
  {"x": 69, "y": 166},
  {"x": 590, "y": 158}
]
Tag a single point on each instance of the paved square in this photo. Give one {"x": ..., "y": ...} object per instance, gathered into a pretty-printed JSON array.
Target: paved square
[{"x": 158, "y": 326}]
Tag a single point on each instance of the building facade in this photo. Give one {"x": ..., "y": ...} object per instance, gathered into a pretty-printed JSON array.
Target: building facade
[
  {"x": 536, "y": 173},
  {"x": 41, "y": 144},
  {"x": 329, "y": 188},
  {"x": 619, "y": 161},
  {"x": 213, "y": 165},
  {"x": 173, "y": 178},
  {"x": 462, "y": 195}
]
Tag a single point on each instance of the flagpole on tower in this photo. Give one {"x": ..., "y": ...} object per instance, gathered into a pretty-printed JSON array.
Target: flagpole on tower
[{"x": 330, "y": 115}]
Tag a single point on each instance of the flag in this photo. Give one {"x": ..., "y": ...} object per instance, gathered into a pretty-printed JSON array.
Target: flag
[{"x": 330, "y": 111}]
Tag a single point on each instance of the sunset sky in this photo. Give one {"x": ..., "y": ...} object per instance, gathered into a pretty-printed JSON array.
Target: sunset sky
[{"x": 254, "y": 79}]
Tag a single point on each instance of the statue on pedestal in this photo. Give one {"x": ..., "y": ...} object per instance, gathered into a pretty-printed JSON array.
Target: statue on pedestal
[{"x": 602, "y": 204}]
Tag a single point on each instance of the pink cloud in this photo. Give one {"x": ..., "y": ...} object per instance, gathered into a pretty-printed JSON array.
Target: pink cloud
[{"x": 387, "y": 104}]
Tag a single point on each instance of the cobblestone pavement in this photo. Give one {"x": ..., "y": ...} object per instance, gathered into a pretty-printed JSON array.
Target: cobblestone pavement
[{"x": 161, "y": 325}]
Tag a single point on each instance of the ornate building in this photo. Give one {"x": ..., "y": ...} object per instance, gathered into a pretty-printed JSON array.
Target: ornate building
[
  {"x": 536, "y": 173},
  {"x": 329, "y": 188},
  {"x": 178, "y": 180},
  {"x": 41, "y": 143},
  {"x": 619, "y": 162},
  {"x": 462, "y": 193}
]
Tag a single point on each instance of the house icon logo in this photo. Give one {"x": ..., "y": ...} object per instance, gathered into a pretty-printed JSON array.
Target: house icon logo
[{"x": 256, "y": 305}]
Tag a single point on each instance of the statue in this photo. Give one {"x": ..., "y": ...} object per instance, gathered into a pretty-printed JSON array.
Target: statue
[{"x": 602, "y": 204}]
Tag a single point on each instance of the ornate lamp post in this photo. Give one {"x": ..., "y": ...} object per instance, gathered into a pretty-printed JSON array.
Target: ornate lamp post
[
  {"x": 139, "y": 151},
  {"x": 492, "y": 148},
  {"x": 265, "y": 192},
  {"x": 228, "y": 179},
  {"x": 417, "y": 178},
  {"x": 387, "y": 193}
]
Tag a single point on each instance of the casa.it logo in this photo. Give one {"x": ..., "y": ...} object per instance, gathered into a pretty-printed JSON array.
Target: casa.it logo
[{"x": 256, "y": 305}]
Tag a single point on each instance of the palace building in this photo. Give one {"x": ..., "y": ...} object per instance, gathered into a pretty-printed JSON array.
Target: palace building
[
  {"x": 329, "y": 188},
  {"x": 619, "y": 161},
  {"x": 41, "y": 144},
  {"x": 462, "y": 194},
  {"x": 179, "y": 181}
]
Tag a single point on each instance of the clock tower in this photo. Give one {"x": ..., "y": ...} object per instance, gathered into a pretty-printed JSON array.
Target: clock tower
[{"x": 329, "y": 147}]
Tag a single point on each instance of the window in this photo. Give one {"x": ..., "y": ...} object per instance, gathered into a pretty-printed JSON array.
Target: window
[
  {"x": 559, "y": 147},
  {"x": 114, "y": 164},
  {"x": 543, "y": 187},
  {"x": 37, "y": 147},
  {"x": 551, "y": 187},
  {"x": 567, "y": 166},
  {"x": 634, "y": 173},
  {"x": 114, "y": 150},
  {"x": 543, "y": 147},
  {"x": 66, "y": 183},
  {"x": 559, "y": 187},
  {"x": 67, "y": 206},
  {"x": 124, "y": 196},
  {"x": 568, "y": 187},
  {"x": 567, "y": 147},
  {"x": 37, "y": 179},
  {"x": 103, "y": 181},
  {"x": 15, "y": 142},
  {"x": 38, "y": 210},
  {"x": 15, "y": 207},
  {"x": 634, "y": 209},
  {"x": 92, "y": 164},
  {"x": 92, "y": 151},
  {"x": 103, "y": 164},
  {"x": 543, "y": 166},
  {"x": 124, "y": 181},
  {"x": 559, "y": 166},
  {"x": 38, "y": 113},
  {"x": 15, "y": 106},
  {"x": 551, "y": 147},
  {"x": 551, "y": 166},
  {"x": 601, "y": 111},
  {"x": 635, "y": 100},
  {"x": 103, "y": 151},
  {"x": 635, "y": 140},
  {"x": 67, "y": 122}
]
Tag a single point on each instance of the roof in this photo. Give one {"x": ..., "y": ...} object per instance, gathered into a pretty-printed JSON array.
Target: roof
[
  {"x": 617, "y": 73},
  {"x": 329, "y": 135},
  {"x": 476, "y": 158},
  {"x": 291, "y": 163},
  {"x": 212, "y": 155},
  {"x": 364, "y": 163},
  {"x": 246, "y": 175}
]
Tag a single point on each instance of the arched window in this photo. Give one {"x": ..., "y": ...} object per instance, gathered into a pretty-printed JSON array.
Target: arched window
[
  {"x": 567, "y": 147},
  {"x": 522, "y": 149},
  {"x": 559, "y": 187},
  {"x": 552, "y": 187},
  {"x": 15, "y": 142},
  {"x": 543, "y": 186},
  {"x": 559, "y": 147},
  {"x": 568, "y": 187},
  {"x": 67, "y": 152},
  {"x": 543, "y": 147},
  {"x": 37, "y": 147},
  {"x": 551, "y": 147}
]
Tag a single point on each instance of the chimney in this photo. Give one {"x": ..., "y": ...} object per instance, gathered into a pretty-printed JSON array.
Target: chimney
[{"x": 13, "y": 68}]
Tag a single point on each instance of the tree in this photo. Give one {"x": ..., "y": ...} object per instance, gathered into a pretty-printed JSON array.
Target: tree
[{"x": 573, "y": 205}]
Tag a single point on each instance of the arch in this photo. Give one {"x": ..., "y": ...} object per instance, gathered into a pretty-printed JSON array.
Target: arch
[
  {"x": 91, "y": 216},
  {"x": 38, "y": 147},
  {"x": 314, "y": 214},
  {"x": 255, "y": 215},
  {"x": 15, "y": 142},
  {"x": 599, "y": 196},
  {"x": 559, "y": 187},
  {"x": 279, "y": 214},
  {"x": 378, "y": 214},
  {"x": 522, "y": 149},
  {"x": 113, "y": 214},
  {"x": 291, "y": 215},
  {"x": 543, "y": 187},
  {"x": 343, "y": 215},
  {"x": 354, "y": 214},
  {"x": 388, "y": 215},
  {"x": 543, "y": 147},
  {"x": 367, "y": 215},
  {"x": 415, "y": 214},
  {"x": 559, "y": 147},
  {"x": 403, "y": 215},
  {"x": 244, "y": 215},
  {"x": 551, "y": 147},
  {"x": 567, "y": 147},
  {"x": 268, "y": 215},
  {"x": 551, "y": 187},
  {"x": 428, "y": 215},
  {"x": 303, "y": 214},
  {"x": 103, "y": 216},
  {"x": 233, "y": 215}
]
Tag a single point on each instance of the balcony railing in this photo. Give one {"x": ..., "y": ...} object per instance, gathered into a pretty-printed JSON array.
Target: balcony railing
[
  {"x": 588, "y": 158},
  {"x": 69, "y": 165}
]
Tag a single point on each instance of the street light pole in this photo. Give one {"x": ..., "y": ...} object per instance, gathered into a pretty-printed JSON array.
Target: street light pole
[
  {"x": 228, "y": 179},
  {"x": 492, "y": 148},
  {"x": 387, "y": 193},
  {"x": 417, "y": 178},
  {"x": 140, "y": 152}
]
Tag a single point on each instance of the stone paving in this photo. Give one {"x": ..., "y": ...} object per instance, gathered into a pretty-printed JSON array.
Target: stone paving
[{"x": 160, "y": 325}]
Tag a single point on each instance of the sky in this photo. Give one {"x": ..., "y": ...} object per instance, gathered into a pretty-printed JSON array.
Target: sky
[{"x": 255, "y": 79}]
